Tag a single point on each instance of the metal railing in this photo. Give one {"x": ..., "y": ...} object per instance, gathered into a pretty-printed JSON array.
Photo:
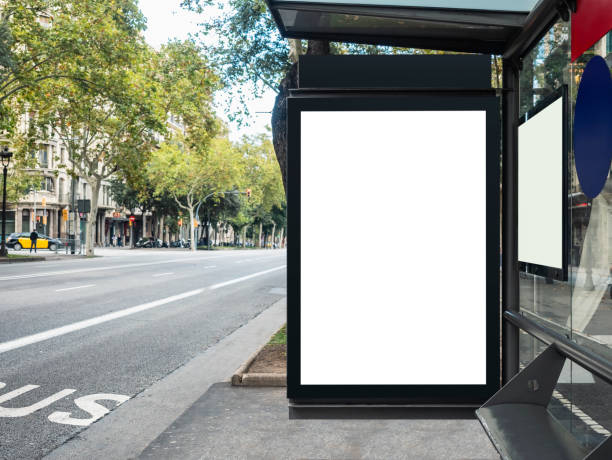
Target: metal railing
[
  {"x": 72, "y": 246},
  {"x": 582, "y": 356}
]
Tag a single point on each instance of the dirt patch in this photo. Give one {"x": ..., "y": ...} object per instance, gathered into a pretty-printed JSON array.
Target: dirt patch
[{"x": 272, "y": 359}]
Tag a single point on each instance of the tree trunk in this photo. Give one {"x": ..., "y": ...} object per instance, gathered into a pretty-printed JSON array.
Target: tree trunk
[
  {"x": 279, "y": 111},
  {"x": 90, "y": 233},
  {"x": 258, "y": 242},
  {"x": 144, "y": 224},
  {"x": 207, "y": 233},
  {"x": 280, "y": 239},
  {"x": 244, "y": 229},
  {"x": 194, "y": 243}
]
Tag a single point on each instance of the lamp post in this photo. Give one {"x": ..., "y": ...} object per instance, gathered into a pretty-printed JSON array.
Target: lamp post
[{"x": 6, "y": 159}]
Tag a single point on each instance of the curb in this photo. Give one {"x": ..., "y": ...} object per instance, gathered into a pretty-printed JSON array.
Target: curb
[
  {"x": 243, "y": 379},
  {"x": 264, "y": 380},
  {"x": 22, "y": 259}
]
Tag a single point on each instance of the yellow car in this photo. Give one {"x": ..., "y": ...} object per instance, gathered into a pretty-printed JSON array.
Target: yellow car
[{"x": 18, "y": 241}]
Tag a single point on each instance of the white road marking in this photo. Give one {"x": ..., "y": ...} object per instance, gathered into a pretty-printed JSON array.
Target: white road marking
[
  {"x": 243, "y": 278},
  {"x": 93, "y": 269},
  {"x": 88, "y": 404},
  {"x": 211, "y": 266},
  {"x": 51, "y": 333},
  {"x": 73, "y": 288},
  {"x": 113, "y": 267},
  {"x": 23, "y": 411},
  {"x": 163, "y": 274}
]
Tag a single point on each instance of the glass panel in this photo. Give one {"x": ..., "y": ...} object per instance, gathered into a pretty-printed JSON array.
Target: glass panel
[
  {"x": 592, "y": 245},
  {"x": 581, "y": 307},
  {"x": 588, "y": 407},
  {"x": 545, "y": 67},
  {"x": 393, "y": 27},
  {"x": 488, "y": 5}
]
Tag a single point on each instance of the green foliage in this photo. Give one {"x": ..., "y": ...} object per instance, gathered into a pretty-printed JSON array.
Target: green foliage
[{"x": 280, "y": 338}]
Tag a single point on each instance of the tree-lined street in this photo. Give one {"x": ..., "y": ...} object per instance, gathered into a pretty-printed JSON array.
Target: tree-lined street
[{"x": 84, "y": 332}]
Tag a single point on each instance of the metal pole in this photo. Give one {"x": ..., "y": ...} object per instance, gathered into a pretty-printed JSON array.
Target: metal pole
[
  {"x": 3, "y": 250},
  {"x": 74, "y": 218},
  {"x": 510, "y": 278},
  {"x": 34, "y": 221}
]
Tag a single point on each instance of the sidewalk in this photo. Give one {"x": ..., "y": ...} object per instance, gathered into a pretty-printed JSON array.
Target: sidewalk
[
  {"x": 195, "y": 413},
  {"x": 252, "y": 423}
]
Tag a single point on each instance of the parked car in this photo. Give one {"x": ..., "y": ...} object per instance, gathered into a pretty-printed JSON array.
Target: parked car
[{"x": 20, "y": 241}]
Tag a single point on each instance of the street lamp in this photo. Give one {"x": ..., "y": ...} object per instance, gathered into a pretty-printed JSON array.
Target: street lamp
[{"x": 5, "y": 156}]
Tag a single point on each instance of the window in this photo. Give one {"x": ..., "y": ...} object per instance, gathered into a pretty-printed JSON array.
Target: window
[
  {"x": 47, "y": 184},
  {"x": 43, "y": 157},
  {"x": 84, "y": 191}
]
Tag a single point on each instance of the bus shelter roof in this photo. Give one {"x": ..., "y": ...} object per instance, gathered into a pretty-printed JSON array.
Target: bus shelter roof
[{"x": 477, "y": 26}]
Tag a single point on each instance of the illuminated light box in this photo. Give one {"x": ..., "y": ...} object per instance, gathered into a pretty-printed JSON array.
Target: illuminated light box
[
  {"x": 542, "y": 188},
  {"x": 393, "y": 265}
]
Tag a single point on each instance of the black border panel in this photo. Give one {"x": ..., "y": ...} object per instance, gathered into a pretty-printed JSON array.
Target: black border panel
[
  {"x": 453, "y": 71},
  {"x": 449, "y": 395},
  {"x": 541, "y": 270}
]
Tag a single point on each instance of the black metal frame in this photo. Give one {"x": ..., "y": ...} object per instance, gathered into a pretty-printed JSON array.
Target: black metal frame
[
  {"x": 511, "y": 21},
  {"x": 559, "y": 274},
  {"x": 397, "y": 394}
]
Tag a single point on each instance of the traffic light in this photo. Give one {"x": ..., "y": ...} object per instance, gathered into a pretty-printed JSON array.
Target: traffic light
[
  {"x": 65, "y": 214},
  {"x": 180, "y": 222},
  {"x": 248, "y": 193}
]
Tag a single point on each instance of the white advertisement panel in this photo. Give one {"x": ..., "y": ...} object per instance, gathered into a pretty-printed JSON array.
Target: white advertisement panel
[
  {"x": 540, "y": 188},
  {"x": 393, "y": 248}
]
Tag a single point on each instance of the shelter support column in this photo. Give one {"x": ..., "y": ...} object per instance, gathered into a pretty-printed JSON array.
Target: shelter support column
[{"x": 510, "y": 280}]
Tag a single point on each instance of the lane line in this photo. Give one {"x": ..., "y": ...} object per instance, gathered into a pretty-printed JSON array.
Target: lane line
[
  {"x": 211, "y": 266},
  {"x": 93, "y": 269},
  {"x": 73, "y": 288},
  {"x": 163, "y": 274},
  {"x": 58, "y": 331}
]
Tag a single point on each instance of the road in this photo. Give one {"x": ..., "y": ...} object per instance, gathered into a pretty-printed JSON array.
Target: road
[{"x": 81, "y": 336}]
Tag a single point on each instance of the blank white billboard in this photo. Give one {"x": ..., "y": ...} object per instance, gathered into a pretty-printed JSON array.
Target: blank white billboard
[
  {"x": 540, "y": 188},
  {"x": 393, "y": 248}
]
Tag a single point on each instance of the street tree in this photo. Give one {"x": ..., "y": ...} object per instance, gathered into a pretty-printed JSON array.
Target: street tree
[
  {"x": 108, "y": 125},
  {"x": 263, "y": 176},
  {"x": 190, "y": 175},
  {"x": 42, "y": 41},
  {"x": 252, "y": 56}
]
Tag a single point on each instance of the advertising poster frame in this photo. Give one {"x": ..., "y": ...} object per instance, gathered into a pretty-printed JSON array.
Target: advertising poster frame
[{"x": 382, "y": 100}]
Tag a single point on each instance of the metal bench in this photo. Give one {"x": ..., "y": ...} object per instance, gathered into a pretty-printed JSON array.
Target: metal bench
[{"x": 516, "y": 418}]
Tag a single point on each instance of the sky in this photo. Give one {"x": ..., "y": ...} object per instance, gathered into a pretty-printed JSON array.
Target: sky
[{"x": 167, "y": 20}]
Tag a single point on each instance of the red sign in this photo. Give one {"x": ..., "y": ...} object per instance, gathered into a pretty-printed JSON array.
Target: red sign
[
  {"x": 591, "y": 21},
  {"x": 132, "y": 218}
]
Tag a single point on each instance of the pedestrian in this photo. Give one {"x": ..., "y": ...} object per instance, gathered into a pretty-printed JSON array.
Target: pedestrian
[
  {"x": 33, "y": 240},
  {"x": 114, "y": 240}
]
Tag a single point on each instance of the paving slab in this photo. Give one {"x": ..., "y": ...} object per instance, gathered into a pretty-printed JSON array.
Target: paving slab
[{"x": 253, "y": 423}]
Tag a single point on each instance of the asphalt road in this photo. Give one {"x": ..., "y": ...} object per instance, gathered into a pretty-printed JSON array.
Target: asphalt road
[{"x": 78, "y": 337}]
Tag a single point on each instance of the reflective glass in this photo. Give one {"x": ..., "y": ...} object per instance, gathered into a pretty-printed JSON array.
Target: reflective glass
[
  {"x": 580, "y": 308},
  {"x": 487, "y": 5}
]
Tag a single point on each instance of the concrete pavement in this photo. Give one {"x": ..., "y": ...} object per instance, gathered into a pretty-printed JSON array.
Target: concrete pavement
[{"x": 252, "y": 423}]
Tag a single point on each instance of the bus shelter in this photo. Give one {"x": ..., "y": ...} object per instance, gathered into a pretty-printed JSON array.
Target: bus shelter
[{"x": 546, "y": 125}]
